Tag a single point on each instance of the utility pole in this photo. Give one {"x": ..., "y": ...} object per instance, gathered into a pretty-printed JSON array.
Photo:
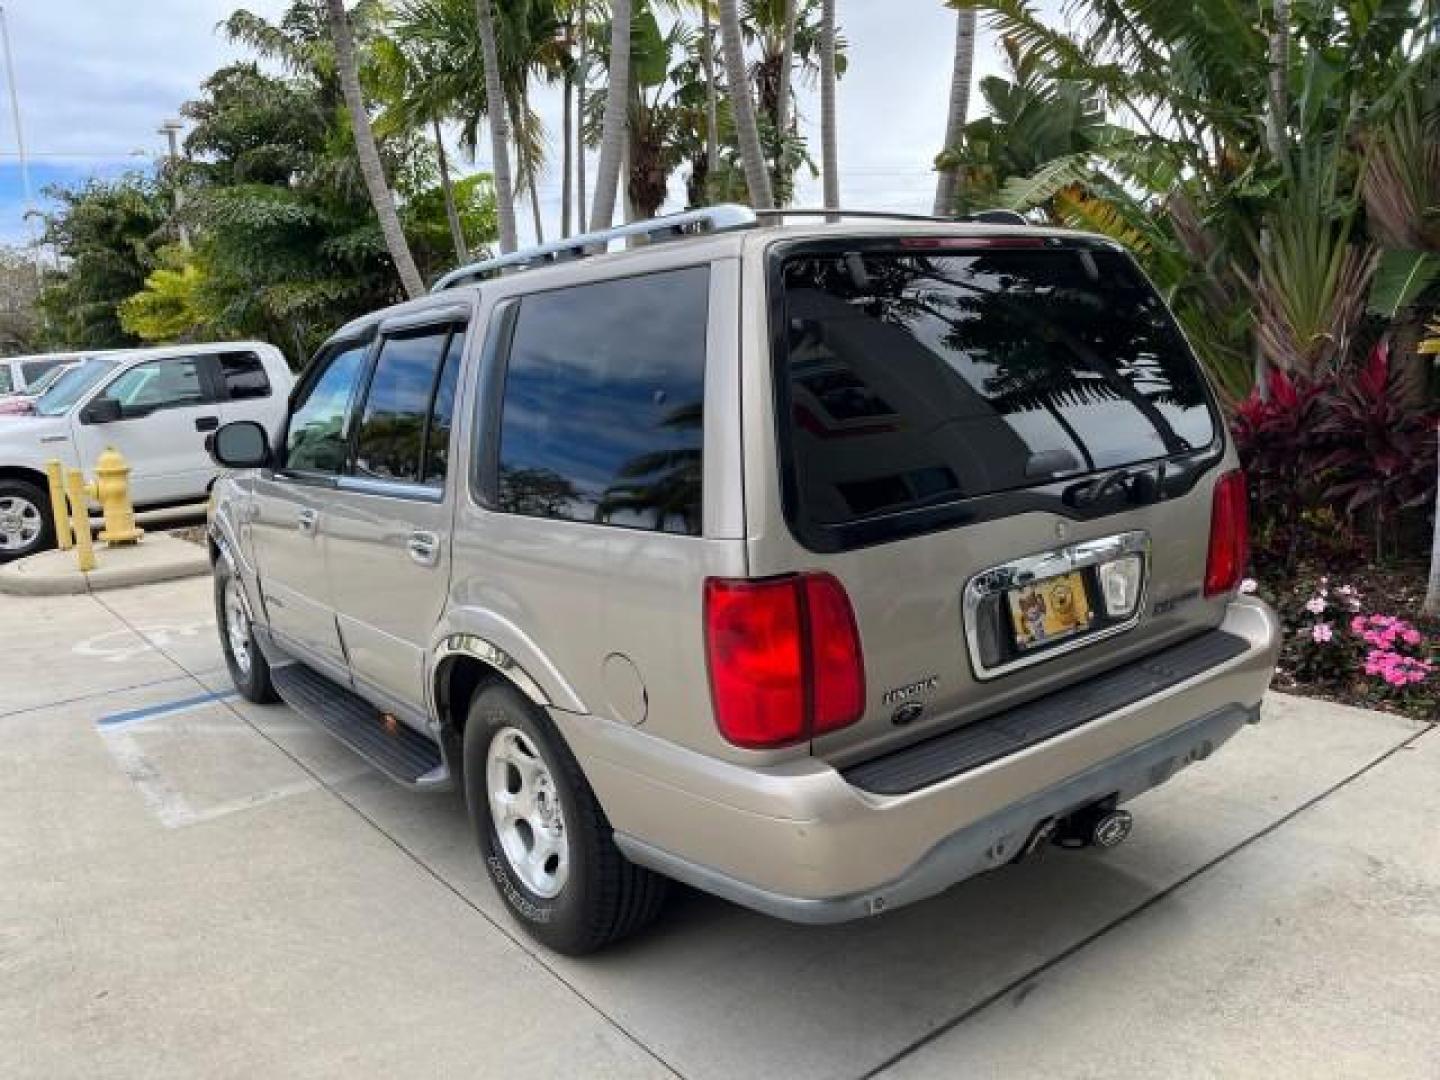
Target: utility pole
[
  {"x": 171, "y": 130},
  {"x": 19, "y": 135}
]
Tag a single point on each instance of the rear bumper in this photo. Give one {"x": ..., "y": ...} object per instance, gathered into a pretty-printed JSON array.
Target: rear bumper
[{"x": 800, "y": 842}]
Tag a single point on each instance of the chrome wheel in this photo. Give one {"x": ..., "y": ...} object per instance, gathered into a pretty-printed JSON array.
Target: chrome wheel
[
  {"x": 20, "y": 523},
  {"x": 237, "y": 625},
  {"x": 525, "y": 808}
]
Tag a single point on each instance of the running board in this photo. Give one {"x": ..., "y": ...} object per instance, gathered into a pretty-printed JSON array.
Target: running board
[{"x": 389, "y": 744}]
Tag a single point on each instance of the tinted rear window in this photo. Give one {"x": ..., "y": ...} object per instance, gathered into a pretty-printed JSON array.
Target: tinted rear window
[
  {"x": 244, "y": 376},
  {"x": 917, "y": 379},
  {"x": 604, "y": 403}
]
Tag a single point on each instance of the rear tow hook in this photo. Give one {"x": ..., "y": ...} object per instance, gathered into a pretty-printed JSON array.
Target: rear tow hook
[{"x": 1102, "y": 825}]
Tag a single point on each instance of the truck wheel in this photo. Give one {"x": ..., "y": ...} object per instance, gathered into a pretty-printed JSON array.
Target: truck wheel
[
  {"x": 543, "y": 837},
  {"x": 248, "y": 668},
  {"x": 25, "y": 523}
]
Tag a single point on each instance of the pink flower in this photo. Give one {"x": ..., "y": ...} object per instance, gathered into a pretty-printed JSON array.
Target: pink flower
[
  {"x": 1357, "y": 624},
  {"x": 1321, "y": 633},
  {"x": 1396, "y": 669},
  {"x": 1410, "y": 636},
  {"x": 1315, "y": 605}
]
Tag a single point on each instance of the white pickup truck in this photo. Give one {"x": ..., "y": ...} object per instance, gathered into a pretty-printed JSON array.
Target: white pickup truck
[{"x": 156, "y": 406}]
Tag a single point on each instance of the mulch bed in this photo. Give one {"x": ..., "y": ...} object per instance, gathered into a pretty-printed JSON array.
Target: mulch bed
[{"x": 1395, "y": 589}]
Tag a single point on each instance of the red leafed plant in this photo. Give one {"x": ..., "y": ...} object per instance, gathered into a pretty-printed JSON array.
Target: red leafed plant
[
  {"x": 1325, "y": 454},
  {"x": 1279, "y": 443},
  {"x": 1381, "y": 448}
]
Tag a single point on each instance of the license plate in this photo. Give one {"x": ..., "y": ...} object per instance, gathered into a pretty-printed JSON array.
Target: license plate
[{"x": 1050, "y": 610}]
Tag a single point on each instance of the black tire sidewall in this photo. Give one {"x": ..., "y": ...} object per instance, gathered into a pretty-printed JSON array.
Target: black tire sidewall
[
  {"x": 561, "y": 921},
  {"x": 41, "y": 499},
  {"x": 254, "y": 685}
]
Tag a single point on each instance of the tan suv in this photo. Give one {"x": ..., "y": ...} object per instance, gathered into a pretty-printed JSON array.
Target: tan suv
[{"x": 818, "y": 565}]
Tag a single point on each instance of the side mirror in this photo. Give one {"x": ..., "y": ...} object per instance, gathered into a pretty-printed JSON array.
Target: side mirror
[
  {"x": 103, "y": 410},
  {"x": 243, "y": 444}
]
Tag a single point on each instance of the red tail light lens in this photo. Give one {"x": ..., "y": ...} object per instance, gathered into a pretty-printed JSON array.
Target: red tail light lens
[
  {"x": 837, "y": 670},
  {"x": 1229, "y": 534},
  {"x": 785, "y": 661}
]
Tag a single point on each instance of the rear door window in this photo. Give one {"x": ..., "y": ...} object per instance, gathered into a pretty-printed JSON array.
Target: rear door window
[
  {"x": 604, "y": 403},
  {"x": 390, "y": 443},
  {"x": 243, "y": 376},
  {"x": 919, "y": 378}
]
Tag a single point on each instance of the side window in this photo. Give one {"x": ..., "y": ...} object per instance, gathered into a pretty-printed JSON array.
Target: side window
[
  {"x": 315, "y": 440},
  {"x": 390, "y": 443},
  {"x": 35, "y": 368},
  {"x": 159, "y": 384},
  {"x": 244, "y": 376},
  {"x": 442, "y": 414},
  {"x": 604, "y": 403},
  {"x": 7, "y": 383}
]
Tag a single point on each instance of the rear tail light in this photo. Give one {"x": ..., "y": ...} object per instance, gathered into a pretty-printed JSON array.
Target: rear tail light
[
  {"x": 784, "y": 657},
  {"x": 1229, "y": 534}
]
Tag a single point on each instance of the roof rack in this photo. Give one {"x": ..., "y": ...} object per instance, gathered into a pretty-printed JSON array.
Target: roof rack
[
  {"x": 711, "y": 219},
  {"x": 988, "y": 217},
  {"x": 815, "y": 211}
]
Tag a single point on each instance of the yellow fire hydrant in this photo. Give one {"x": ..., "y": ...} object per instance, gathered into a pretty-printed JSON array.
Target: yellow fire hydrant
[{"x": 111, "y": 489}]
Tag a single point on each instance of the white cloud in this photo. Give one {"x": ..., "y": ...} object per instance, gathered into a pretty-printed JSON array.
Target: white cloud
[{"x": 98, "y": 76}]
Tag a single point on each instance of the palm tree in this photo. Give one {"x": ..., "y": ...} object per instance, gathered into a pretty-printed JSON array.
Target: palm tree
[
  {"x": 945, "y": 185},
  {"x": 499, "y": 135},
  {"x": 368, "y": 153},
  {"x": 782, "y": 88},
  {"x": 757, "y": 176},
  {"x": 1278, "y": 104},
  {"x": 613, "y": 130},
  {"x": 581, "y": 82},
  {"x": 829, "y": 148},
  {"x": 712, "y": 98}
]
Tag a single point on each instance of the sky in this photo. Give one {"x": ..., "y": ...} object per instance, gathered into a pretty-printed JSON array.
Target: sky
[{"x": 96, "y": 78}]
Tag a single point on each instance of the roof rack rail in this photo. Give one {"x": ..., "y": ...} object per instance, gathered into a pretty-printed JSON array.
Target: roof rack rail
[
  {"x": 996, "y": 216},
  {"x": 989, "y": 216},
  {"x": 815, "y": 211},
  {"x": 710, "y": 219}
]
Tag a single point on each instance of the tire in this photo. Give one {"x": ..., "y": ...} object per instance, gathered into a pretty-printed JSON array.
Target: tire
[
  {"x": 26, "y": 525},
  {"x": 249, "y": 669},
  {"x": 587, "y": 895}
]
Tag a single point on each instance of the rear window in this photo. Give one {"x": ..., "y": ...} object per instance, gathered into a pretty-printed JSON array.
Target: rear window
[
  {"x": 917, "y": 379},
  {"x": 243, "y": 374}
]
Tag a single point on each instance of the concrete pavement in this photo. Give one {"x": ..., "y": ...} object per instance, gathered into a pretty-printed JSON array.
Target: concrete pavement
[{"x": 194, "y": 886}]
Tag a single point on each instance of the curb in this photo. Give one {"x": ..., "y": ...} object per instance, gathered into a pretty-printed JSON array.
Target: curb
[{"x": 53, "y": 573}]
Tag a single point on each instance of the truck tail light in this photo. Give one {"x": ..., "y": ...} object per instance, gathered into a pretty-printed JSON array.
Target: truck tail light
[
  {"x": 784, "y": 656},
  {"x": 1229, "y": 534}
]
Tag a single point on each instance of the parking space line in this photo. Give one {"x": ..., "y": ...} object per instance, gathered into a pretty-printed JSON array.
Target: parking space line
[{"x": 168, "y": 708}]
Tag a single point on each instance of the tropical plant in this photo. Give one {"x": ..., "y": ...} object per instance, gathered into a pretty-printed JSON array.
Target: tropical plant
[
  {"x": 497, "y": 112},
  {"x": 829, "y": 139},
  {"x": 960, "y": 79},
  {"x": 106, "y": 234},
  {"x": 368, "y": 153},
  {"x": 616, "y": 118},
  {"x": 742, "y": 105},
  {"x": 1382, "y": 445},
  {"x": 20, "y": 282}
]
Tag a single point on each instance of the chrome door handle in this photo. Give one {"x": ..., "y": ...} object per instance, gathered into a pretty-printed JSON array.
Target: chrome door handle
[
  {"x": 306, "y": 521},
  {"x": 424, "y": 547}
]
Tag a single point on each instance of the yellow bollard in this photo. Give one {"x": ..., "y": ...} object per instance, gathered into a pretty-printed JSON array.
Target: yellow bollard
[
  {"x": 111, "y": 490},
  {"x": 80, "y": 519},
  {"x": 55, "y": 474}
]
